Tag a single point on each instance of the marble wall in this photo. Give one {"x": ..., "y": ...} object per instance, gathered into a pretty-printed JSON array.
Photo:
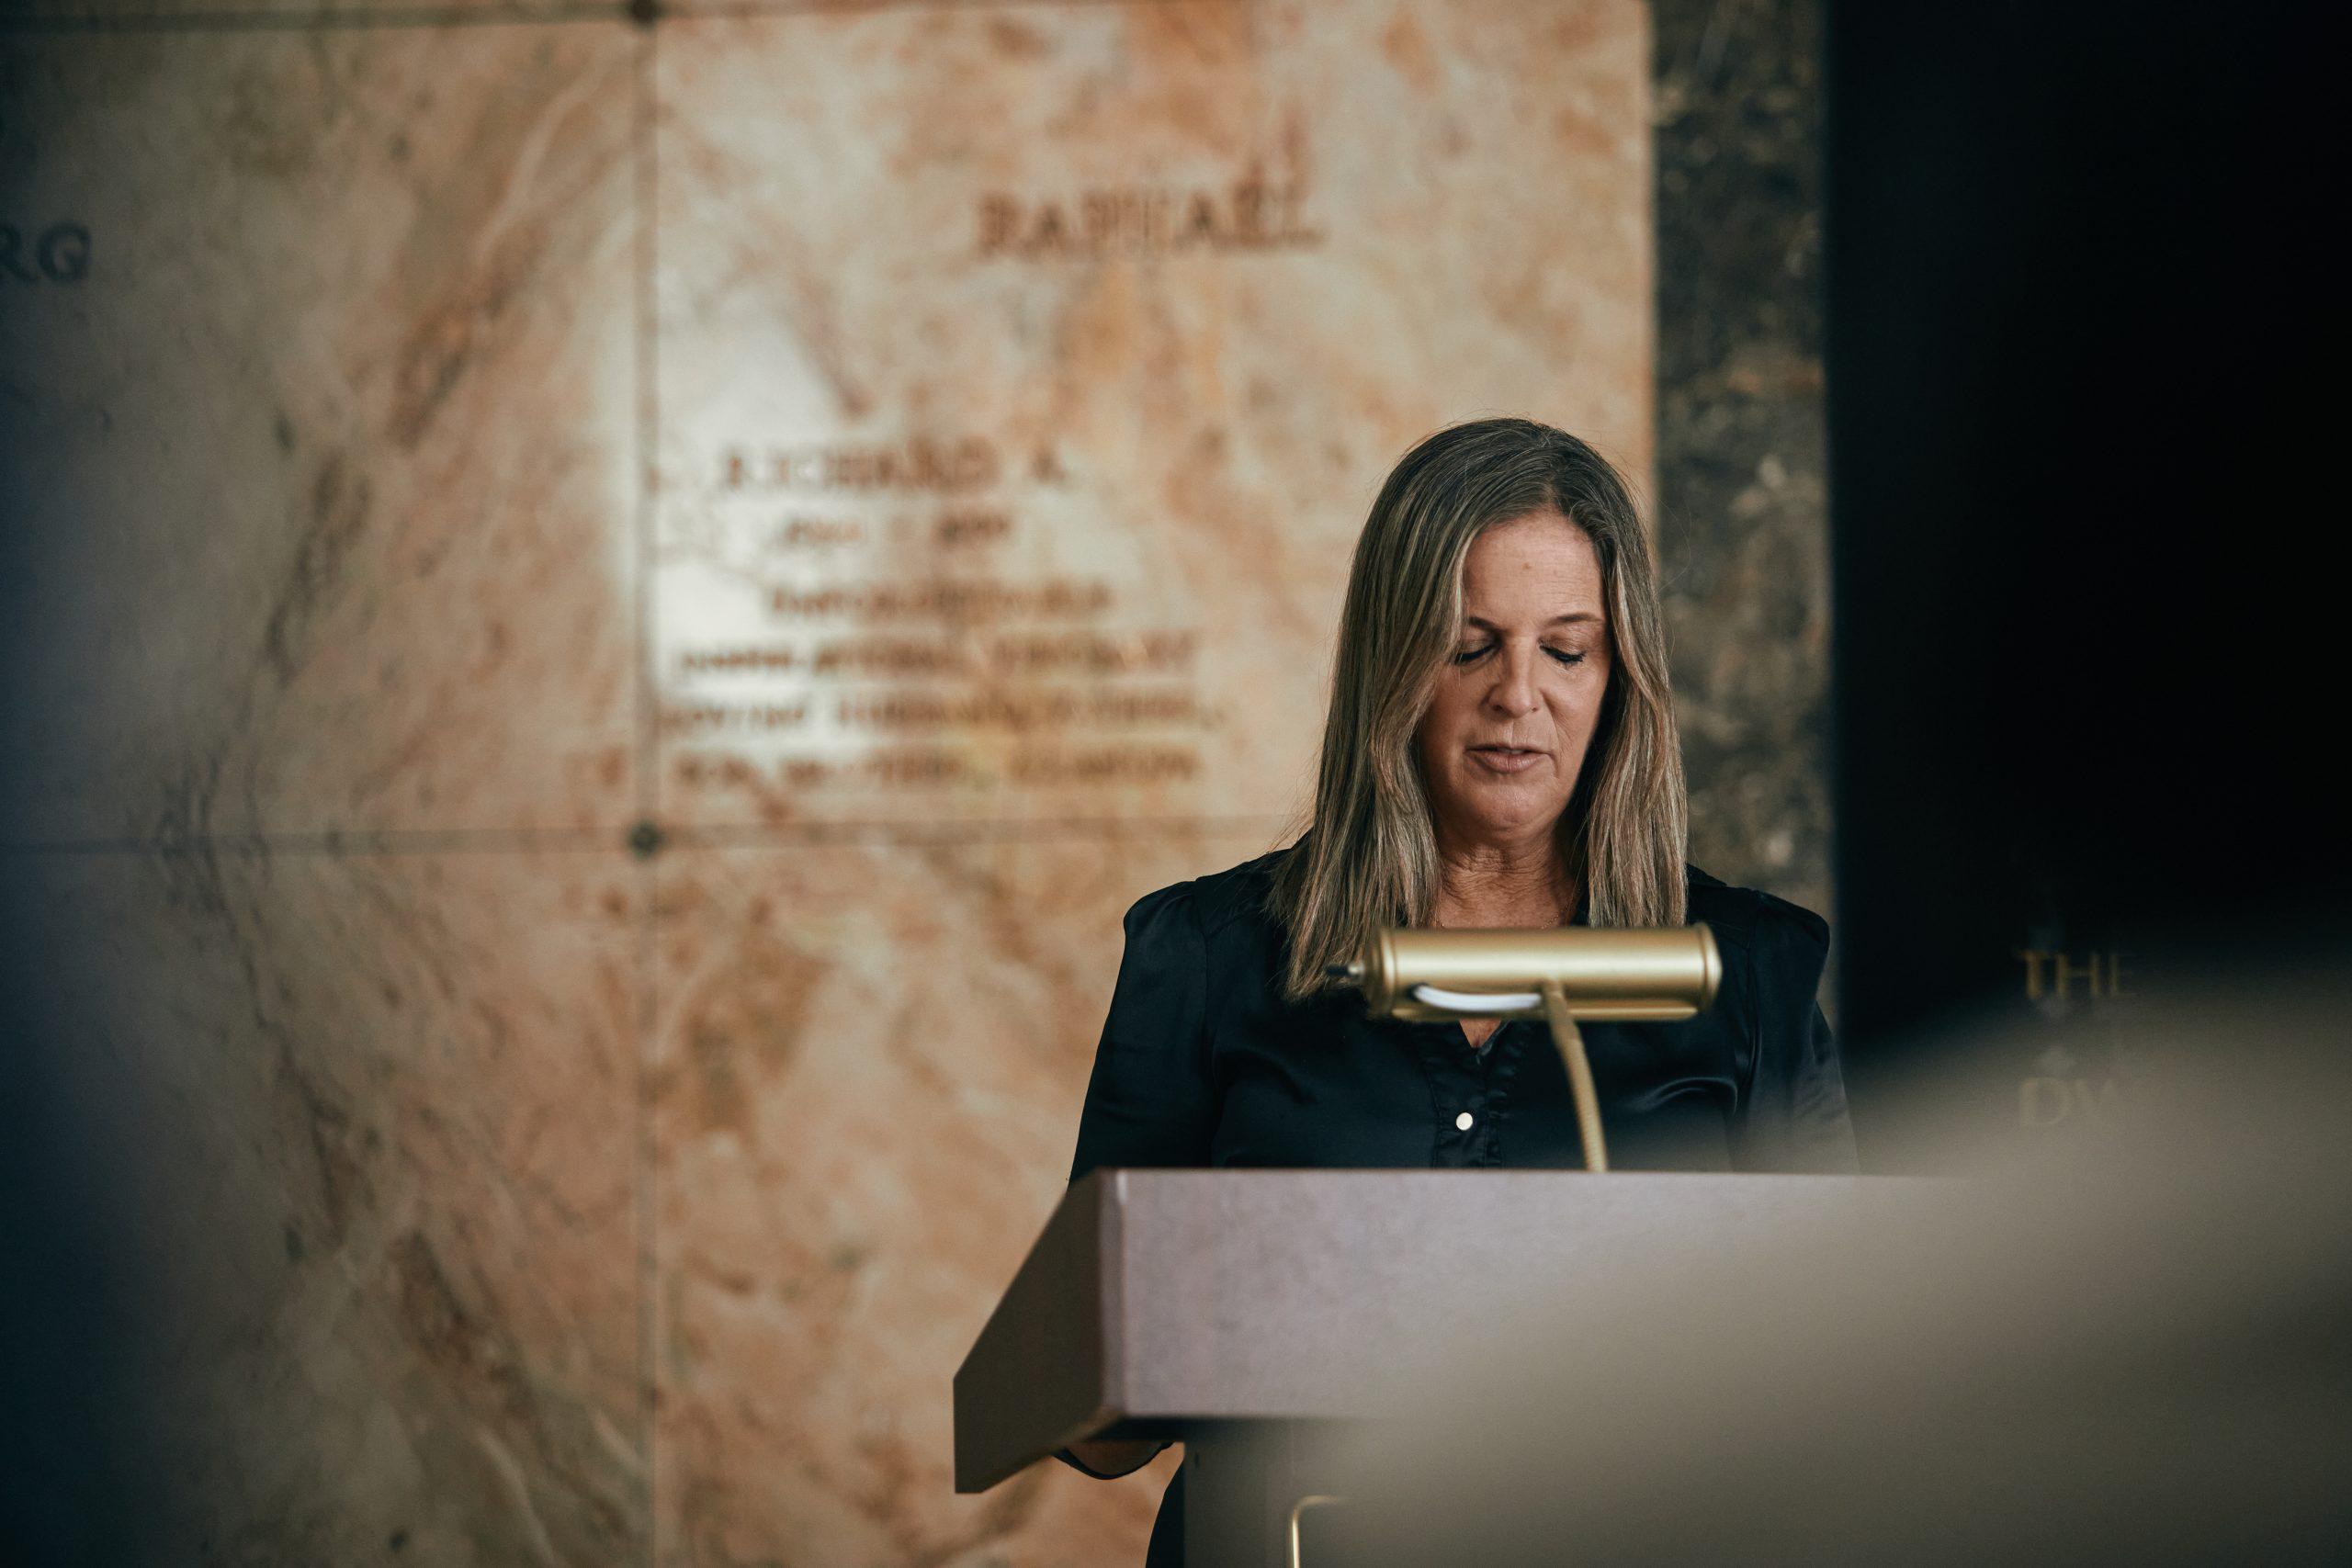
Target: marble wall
[
  {"x": 1742, "y": 446},
  {"x": 606, "y": 604}
]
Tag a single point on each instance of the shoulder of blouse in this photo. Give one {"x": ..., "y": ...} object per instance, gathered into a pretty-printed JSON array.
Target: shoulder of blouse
[
  {"x": 1769, "y": 928},
  {"x": 1765, "y": 928},
  {"x": 1215, "y": 900}
]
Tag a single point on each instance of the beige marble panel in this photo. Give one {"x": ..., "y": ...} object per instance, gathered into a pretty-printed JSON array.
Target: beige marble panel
[
  {"x": 1026, "y": 373},
  {"x": 869, "y": 1070},
  {"x": 366, "y": 1129},
  {"x": 319, "y": 430}
]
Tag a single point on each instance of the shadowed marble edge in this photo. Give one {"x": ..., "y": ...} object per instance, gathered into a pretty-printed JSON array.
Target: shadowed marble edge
[
  {"x": 359, "y": 1130},
  {"x": 322, "y": 448},
  {"x": 1742, "y": 479}
]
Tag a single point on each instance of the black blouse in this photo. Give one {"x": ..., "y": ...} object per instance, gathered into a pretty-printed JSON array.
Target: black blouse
[{"x": 1203, "y": 1063}]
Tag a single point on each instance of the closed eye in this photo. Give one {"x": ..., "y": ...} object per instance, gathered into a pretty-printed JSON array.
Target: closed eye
[{"x": 1472, "y": 655}]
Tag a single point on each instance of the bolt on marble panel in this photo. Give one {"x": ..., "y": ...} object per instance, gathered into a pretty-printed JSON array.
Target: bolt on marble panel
[
  {"x": 319, "y": 375},
  {"x": 362, "y": 1132},
  {"x": 868, "y": 1074},
  {"x": 1025, "y": 374}
]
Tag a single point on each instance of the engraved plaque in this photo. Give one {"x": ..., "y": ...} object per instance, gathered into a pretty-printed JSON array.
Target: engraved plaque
[{"x": 1024, "y": 376}]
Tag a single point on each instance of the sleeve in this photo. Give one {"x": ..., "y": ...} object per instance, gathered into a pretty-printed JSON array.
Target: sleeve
[
  {"x": 1149, "y": 1100},
  {"x": 1796, "y": 1117}
]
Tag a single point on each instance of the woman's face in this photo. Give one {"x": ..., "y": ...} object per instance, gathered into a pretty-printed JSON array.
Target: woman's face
[{"x": 1516, "y": 702}]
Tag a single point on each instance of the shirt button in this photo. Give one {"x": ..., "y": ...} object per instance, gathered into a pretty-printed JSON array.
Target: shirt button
[{"x": 1462, "y": 1123}]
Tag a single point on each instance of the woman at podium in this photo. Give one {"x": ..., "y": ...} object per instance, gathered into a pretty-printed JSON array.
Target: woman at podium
[{"x": 1500, "y": 751}]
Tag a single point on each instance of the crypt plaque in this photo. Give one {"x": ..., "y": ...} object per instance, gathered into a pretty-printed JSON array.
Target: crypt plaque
[{"x": 1024, "y": 377}]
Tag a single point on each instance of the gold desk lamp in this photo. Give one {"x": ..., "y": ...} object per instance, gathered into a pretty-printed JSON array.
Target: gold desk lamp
[{"x": 1610, "y": 975}]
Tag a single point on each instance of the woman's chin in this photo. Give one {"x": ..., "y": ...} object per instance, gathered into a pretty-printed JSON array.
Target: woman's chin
[{"x": 1499, "y": 811}]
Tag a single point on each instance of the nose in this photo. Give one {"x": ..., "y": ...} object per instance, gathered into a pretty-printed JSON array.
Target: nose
[{"x": 1513, "y": 692}]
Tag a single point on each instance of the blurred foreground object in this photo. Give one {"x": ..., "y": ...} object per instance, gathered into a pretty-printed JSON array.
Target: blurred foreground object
[{"x": 2130, "y": 1350}]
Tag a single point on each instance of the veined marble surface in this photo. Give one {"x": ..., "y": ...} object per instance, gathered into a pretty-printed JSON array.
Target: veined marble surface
[
  {"x": 362, "y": 1124},
  {"x": 322, "y": 469},
  {"x": 869, "y": 1066},
  {"x": 1743, "y": 494},
  {"x": 900, "y": 460}
]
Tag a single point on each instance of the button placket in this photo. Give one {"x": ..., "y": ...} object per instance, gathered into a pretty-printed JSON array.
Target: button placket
[{"x": 1457, "y": 1091}]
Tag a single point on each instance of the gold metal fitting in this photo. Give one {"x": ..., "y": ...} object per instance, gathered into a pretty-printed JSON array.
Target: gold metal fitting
[{"x": 1609, "y": 974}]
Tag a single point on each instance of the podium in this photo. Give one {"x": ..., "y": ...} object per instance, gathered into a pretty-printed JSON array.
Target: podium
[{"x": 1245, "y": 1311}]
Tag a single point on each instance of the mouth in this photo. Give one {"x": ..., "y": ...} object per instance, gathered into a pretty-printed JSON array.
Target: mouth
[{"x": 1506, "y": 759}]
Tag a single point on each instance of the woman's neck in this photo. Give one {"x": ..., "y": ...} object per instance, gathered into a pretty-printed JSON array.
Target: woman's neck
[{"x": 1489, "y": 884}]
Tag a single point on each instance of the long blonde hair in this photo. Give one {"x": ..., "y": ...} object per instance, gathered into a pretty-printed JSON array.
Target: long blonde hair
[{"x": 1369, "y": 856}]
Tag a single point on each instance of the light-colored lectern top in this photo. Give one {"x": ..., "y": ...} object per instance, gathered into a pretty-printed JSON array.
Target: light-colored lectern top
[{"x": 1160, "y": 1298}]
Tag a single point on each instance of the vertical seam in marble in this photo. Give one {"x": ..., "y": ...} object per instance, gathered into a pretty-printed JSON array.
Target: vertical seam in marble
[
  {"x": 649, "y": 1254},
  {"x": 645, "y": 191},
  {"x": 646, "y": 178}
]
